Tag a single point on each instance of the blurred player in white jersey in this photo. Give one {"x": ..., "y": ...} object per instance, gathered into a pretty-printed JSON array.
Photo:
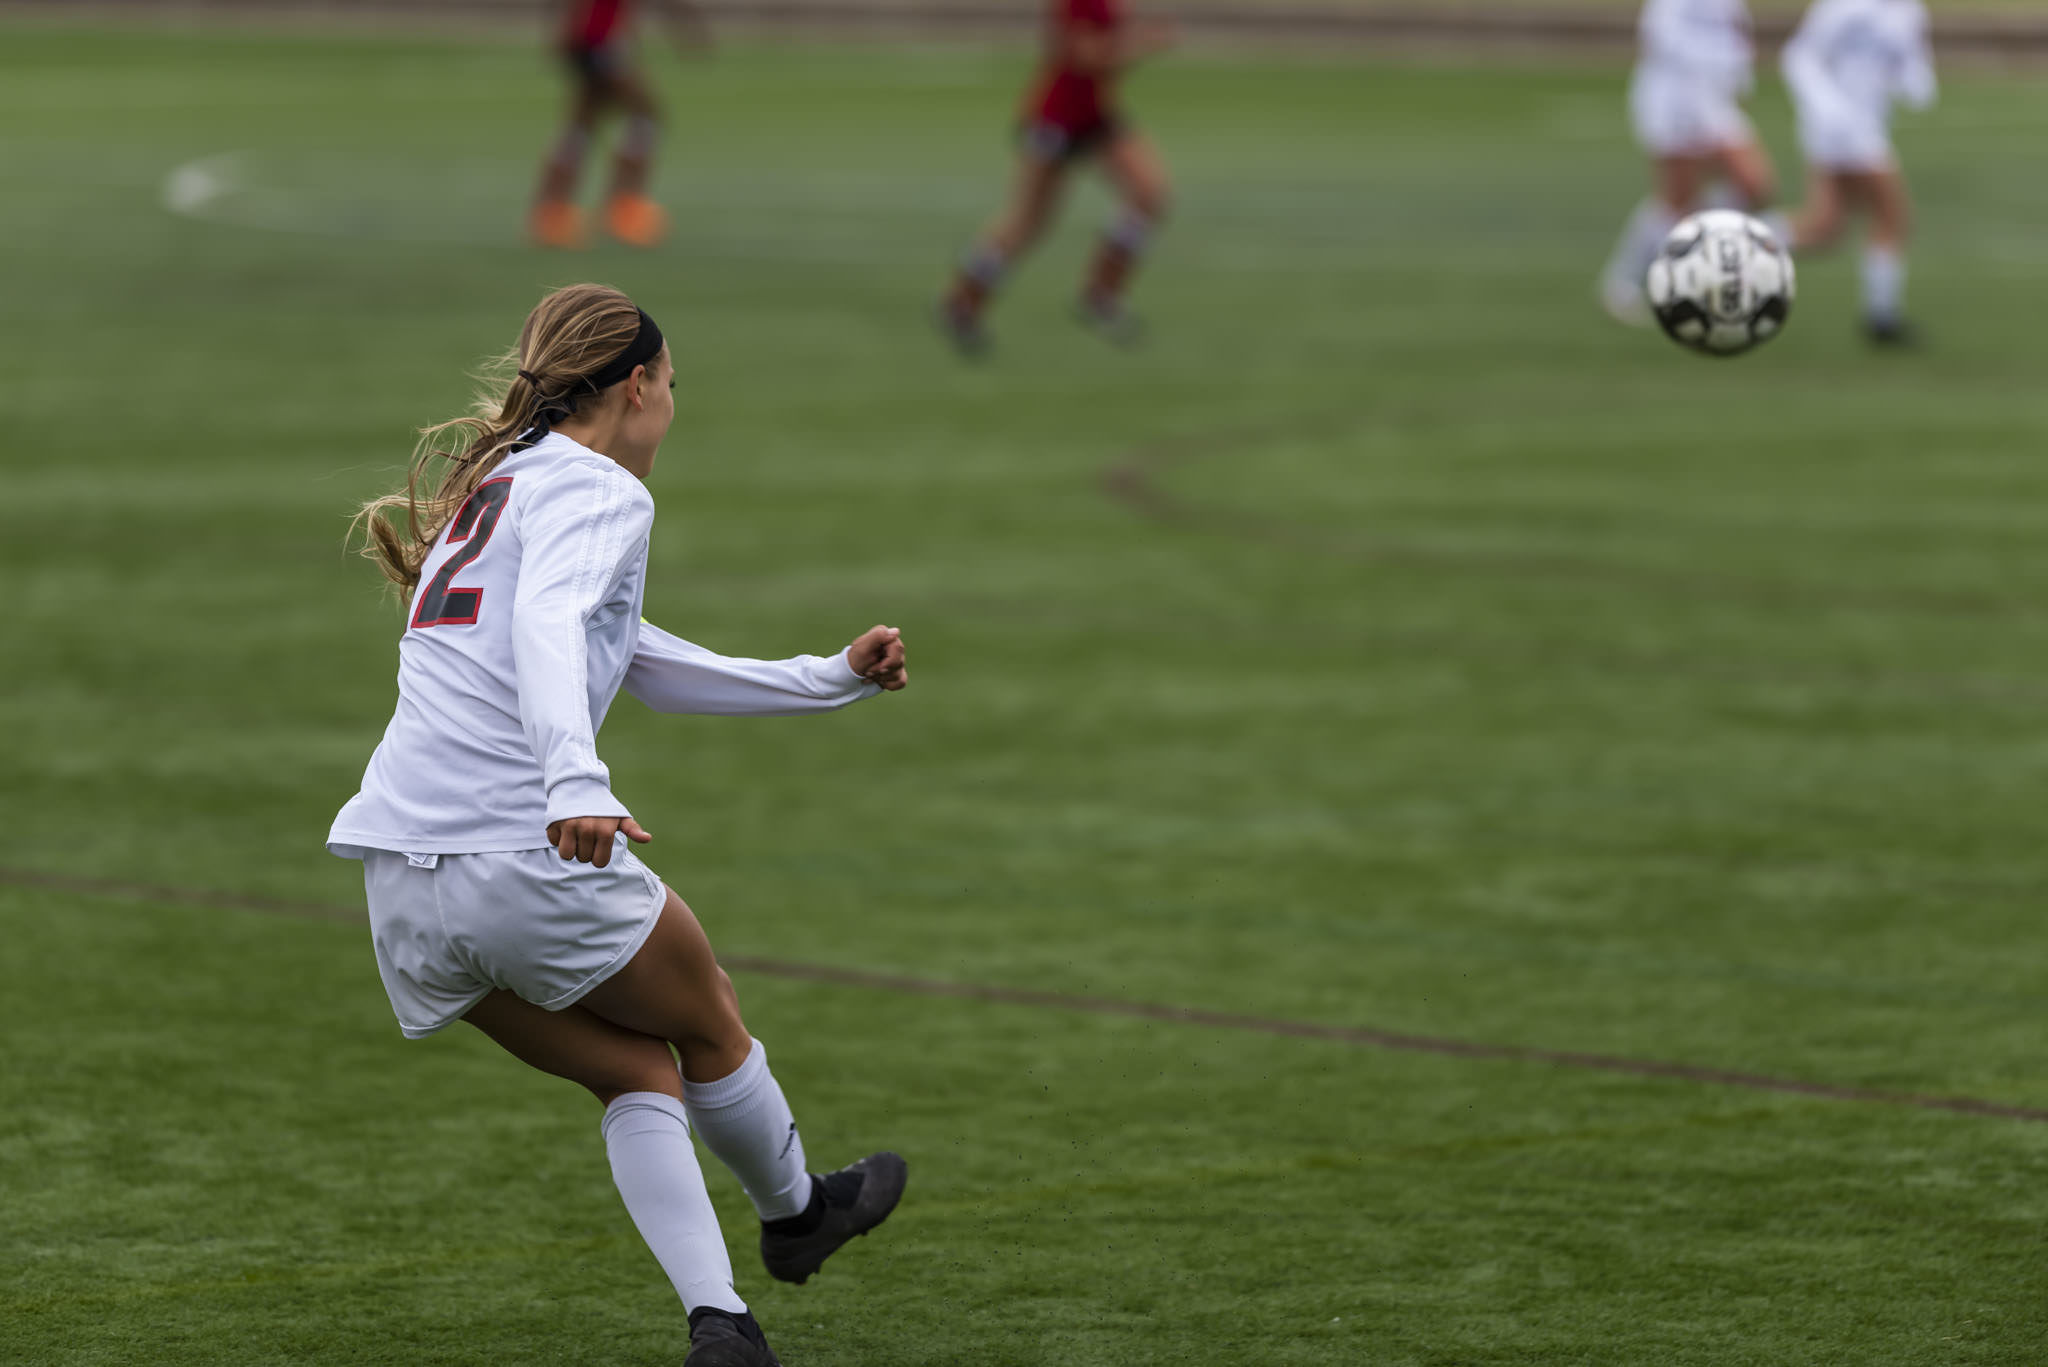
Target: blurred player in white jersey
[
  {"x": 1848, "y": 62},
  {"x": 1694, "y": 66},
  {"x": 502, "y": 888}
]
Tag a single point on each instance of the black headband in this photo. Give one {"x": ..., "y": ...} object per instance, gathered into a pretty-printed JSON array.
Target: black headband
[{"x": 644, "y": 347}]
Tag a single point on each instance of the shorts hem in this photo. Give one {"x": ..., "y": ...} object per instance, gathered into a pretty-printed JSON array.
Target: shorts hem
[
  {"x": 1853, "y": 166},
  {"x": 625, "y": 954},
  {"x": 422, "y": 1031},
  {"x": 1056, "y": 142}
]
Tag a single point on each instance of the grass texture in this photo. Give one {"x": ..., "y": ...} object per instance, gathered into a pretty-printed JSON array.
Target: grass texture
[{"x": 1391, "y": 642}]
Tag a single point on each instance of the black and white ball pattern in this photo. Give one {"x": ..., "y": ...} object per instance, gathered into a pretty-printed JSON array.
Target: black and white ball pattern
[{"x": 1722, "y": 283}]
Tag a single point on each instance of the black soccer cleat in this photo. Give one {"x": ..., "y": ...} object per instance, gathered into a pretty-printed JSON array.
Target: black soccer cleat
[
  {"x": 1111, "y": 321},
  {"x": 719, "y": 1338},
  {"x": 845, "y": 1203},
  {"x": 964, "y": 329},
  {"x": 1895, "y": 333}
]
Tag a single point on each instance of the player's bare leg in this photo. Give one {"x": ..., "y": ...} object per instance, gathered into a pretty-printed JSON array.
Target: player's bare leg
[
  {"x": 630, "y": 215},
  {"x": 1138, "y": 172},
  {"x": 674, "y": 990},
  {"x": 647, "y": 1138},
  {"x": 1034, "y": 199},
  {"x": 1676, "y": 183},
  {"x": 555, "y": 220}
]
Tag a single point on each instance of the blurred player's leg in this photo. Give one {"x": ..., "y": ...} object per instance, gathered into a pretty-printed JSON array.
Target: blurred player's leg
[
  {"x": 1818, "y": 223},
  {"x": 556, "y": 221},
  {"x": 1747, "y": 168},
  {"x": 1134, "y": 166},
  {"x": 1041, "y": 177},
  {"x": 1884, "y": 259},
  {"x": 1675, "y": 194},
  {"x": 673, "y": 989},
  {"x": 630, "y": 215}
]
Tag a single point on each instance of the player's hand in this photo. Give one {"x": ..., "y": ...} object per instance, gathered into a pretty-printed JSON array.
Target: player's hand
[
  {"x": 877, "y": 656},
  {"x": 588, "y": 839}
]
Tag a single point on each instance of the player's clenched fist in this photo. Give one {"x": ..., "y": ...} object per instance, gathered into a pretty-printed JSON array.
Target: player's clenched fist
[{"x": 877, "y": 656}]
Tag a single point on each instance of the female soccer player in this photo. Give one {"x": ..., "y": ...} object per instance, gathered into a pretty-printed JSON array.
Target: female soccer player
[
  {"x": 1685, "y": 100},
  {"x": 595, "y": 42},
  {"x": 502, "y": 890},
  {"x": 1846, "y": 64},
  {"x": 1072, "y": 115}
]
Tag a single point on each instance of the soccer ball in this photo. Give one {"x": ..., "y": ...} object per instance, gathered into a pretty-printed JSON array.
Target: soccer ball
[{"x": 1722, "y": 283}]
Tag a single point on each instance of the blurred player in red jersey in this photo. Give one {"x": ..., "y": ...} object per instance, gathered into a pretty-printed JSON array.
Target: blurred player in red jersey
[
  {"x": 1071, "y": 115},
  {"x": 596, "y": 41}
]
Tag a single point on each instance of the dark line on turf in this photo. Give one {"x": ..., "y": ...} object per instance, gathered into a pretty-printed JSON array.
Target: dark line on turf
[
  {"x": 189, "y": 897},
  {"x": 1357, "y": 1035}
]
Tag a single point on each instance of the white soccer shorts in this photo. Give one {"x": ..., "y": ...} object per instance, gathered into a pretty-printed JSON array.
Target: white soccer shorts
[
  {"x": 1845, "y": 140},
  {"x": 449, "y": 928},
  {"x": 1674, "y": 117}
]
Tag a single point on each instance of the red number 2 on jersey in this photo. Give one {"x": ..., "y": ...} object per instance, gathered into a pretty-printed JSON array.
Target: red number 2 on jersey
[{"x": 441, "y": 604}]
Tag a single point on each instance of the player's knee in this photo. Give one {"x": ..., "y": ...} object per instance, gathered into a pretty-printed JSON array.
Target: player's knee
[
  {"x": 637, "y": 141},
  {"x": 716, "y": 1025},
  {"x": 1153, "y": 199}
]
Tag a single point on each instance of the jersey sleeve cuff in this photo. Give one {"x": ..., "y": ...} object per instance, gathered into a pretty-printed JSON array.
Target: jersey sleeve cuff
[
  {"x": 836, "y": 674},
  {"x": 582, "y": 797}
]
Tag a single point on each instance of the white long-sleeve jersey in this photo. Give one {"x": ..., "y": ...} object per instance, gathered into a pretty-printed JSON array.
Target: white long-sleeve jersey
[
  {"x": 1703, "y": 42},
  {"x": 1850, "y": 59},
  {"x": 525, "y": 625}
]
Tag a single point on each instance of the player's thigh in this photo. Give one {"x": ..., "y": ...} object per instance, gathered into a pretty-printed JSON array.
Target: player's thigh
[
  {"x": 579, "y": 1045},
  {"x": 630, "y": 91},
  {"x": 1134, "y": 165},
  {"x": 673, "y": 989},
  {"x": 1678, "y": 178},
  {"x": 1745, "y": 164},
  {"x": 586, "y": 101},
  {"x": 1035, "y": 193}
]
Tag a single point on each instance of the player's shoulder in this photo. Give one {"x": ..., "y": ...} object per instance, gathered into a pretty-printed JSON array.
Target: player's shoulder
[{"x": 558, "y": 477}]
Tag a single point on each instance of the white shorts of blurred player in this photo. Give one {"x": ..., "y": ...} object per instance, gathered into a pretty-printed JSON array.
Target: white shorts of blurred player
[
  {"x": 1845, "y": 142},
  {"x": 449, "y": 928},
  {"x": 1678, "y": 116}
]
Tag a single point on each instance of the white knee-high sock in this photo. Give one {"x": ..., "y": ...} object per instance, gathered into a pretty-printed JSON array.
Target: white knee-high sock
[
  {"x": 743, "y": 1119},
  {"x": 655, "y": 1168},
  {"x": 1884, "y": 284},
  {"x": 1641, "y": 236}
]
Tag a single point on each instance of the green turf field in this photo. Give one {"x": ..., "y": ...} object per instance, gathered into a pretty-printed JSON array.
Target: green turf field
[{"x": 1392, "y": 643}]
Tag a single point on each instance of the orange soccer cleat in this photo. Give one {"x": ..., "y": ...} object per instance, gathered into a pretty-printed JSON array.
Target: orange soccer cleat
[
  {"x": 636, "y": 220},
  {"x": 557, "y": 223}
]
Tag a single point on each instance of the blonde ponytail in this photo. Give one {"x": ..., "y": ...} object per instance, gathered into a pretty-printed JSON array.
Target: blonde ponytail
[{"x": 569, "y": 337}]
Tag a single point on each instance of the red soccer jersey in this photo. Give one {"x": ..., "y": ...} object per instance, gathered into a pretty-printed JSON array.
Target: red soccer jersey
[
  {"x": 593, "y": 23},
  {"x": 1066, "y": 97}
]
